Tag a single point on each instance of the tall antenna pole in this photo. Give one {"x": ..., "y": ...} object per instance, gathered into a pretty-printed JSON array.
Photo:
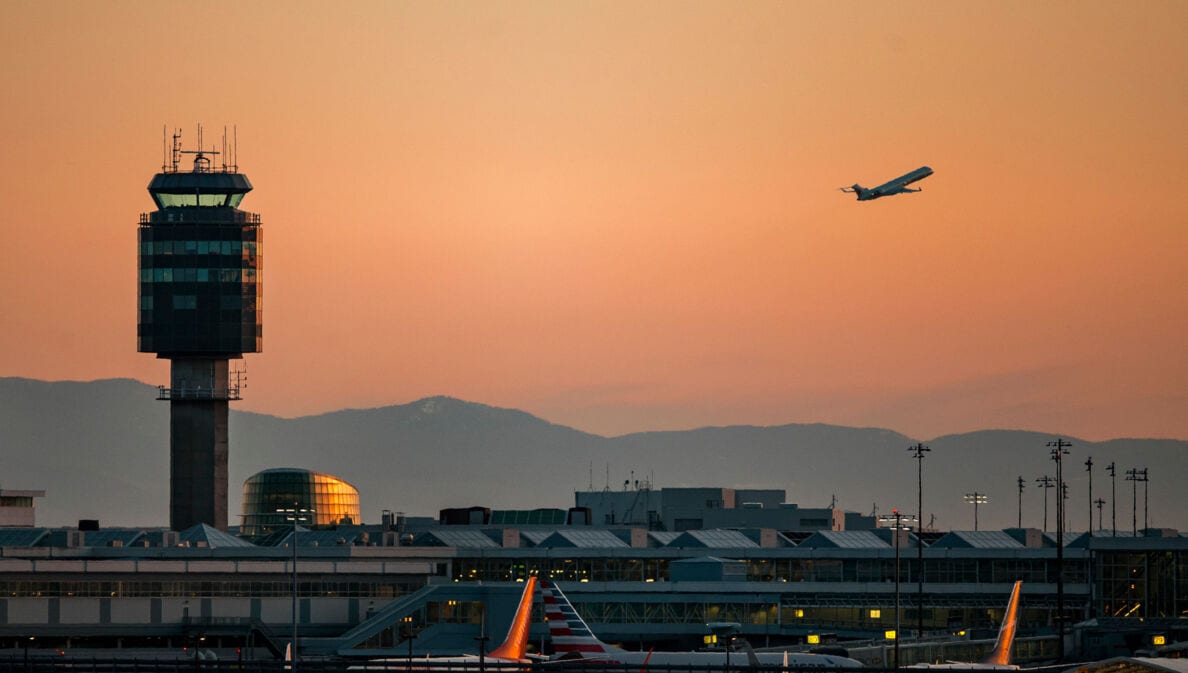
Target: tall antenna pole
[{"x": 918, "y": 452}]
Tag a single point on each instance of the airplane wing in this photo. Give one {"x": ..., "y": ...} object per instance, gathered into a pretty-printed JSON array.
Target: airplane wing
[{"x": 900, "y": 185}]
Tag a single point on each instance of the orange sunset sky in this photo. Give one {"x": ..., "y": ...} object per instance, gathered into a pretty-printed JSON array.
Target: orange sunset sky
[{"x": 624, "y": 216}]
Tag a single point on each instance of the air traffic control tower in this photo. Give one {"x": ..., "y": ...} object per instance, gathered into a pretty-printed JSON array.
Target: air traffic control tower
[{"x": 200, "y": 291}]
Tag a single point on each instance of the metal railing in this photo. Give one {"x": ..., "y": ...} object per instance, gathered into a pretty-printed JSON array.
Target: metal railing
[
  {"x": 203, "y": 215},
  {"x": 198, "y": 393}
]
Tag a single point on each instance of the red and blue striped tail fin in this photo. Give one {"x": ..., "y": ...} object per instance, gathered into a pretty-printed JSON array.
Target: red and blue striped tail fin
[{"x": 567, "y": 629}]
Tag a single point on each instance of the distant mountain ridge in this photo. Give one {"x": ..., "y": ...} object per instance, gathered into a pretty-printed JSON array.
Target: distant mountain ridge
[{"x": 100, "y": 449}]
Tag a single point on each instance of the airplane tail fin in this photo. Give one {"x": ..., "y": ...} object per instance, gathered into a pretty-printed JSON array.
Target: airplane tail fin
[
  {"x": 567, "y": 629},
  {"x": 1001, "y": 655},
  {"x": 856, "y": 189},
  {"x": 515, "y": 646}
]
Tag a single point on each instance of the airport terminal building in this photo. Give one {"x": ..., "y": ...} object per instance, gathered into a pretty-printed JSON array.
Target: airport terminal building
[{"x": 365, "y": 589}]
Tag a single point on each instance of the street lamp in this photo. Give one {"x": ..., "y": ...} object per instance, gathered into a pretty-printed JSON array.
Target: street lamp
[
  {"x": 1089, "y": 469},
  {"x": 897, "y": 522},
  {"x": 976, "y": 499},
  {"x": 725, "y": 632},
  {"x": 410, "y": 634},
  {"x": 482, "y": 638},
  {"x": 296, "y": 514}
]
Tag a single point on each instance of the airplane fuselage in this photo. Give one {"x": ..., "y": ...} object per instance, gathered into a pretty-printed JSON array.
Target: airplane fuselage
[{"x": 897, "y": 186}]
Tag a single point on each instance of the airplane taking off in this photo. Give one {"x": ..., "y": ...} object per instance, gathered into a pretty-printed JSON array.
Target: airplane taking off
[
  {"x": 1000, "y": 657},
  {"x": 513, "y": 649},
  {"x": 573, "y": 639},
  {"x": 897, "y": 186}
]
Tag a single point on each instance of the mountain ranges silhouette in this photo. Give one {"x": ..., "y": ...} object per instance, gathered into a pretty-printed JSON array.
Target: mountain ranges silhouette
[{"x": 100, "y": 450}]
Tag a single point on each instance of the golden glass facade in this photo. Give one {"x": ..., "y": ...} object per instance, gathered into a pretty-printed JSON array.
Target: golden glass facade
[{"x": 328, "y": 501}]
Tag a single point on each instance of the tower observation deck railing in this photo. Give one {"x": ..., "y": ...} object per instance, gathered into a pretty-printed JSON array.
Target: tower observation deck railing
[
  {"x": 199, "y": 215},
  {"x": 230, "y": 393}
]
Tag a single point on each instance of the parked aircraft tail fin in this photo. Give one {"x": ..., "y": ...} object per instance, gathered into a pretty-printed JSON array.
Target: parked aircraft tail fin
[
  {"x": 515, "y": 646},
  {"x": 1001, "y": 655},
  {"x": 567, "y": 629}
]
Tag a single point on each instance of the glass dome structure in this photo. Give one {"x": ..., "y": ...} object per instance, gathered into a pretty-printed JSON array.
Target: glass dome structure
[{"x": 329, "y": 501}]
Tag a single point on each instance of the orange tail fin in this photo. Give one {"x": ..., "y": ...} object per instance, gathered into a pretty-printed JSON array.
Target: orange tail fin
[
  {"x": 1001, "y": 655},
  {"x": 515, "y": 646}
]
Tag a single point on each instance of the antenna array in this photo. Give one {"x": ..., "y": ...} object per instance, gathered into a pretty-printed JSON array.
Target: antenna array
[{"x": 171, "y": 152}]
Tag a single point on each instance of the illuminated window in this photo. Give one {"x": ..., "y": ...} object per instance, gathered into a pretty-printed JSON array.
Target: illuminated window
[{"x": 876, "y": 614}]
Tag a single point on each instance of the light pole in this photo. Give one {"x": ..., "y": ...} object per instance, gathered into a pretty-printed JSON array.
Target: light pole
[
  {"x": 410, "y": 634},
  {"x": 1099, "y": 502},
  {"x": 1045, "y": 482},
  {"x": 296, "y": 514},
  {"x": 482, "y": 638},
  {"x": 1132, "y": 475},
  {"x": 1020, "y": 524},
  {"x": 976, "y": 499},
  {"x": 918, "y": 452},
  {"x": 1089, "y": 469},
  {"x": 1059, "y": 449},
  {"x": 1113, "y": 498},
  {"x": 1146, "y": 524},
  {"x": 897, "y": 522},
  {"x": 1064, "y": 505}
]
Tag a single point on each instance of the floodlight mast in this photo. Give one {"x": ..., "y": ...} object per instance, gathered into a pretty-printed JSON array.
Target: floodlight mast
[
  {"x": 897, "y": 521},
  {"x": 1113, "y": 498},
  {"x": 918, "y": 452},
  {"x": 976, "y": 499},
  {"x": 1020, "y": 524},
  {"x": 1045, "y": 482},
  {"x": 1059, "y": 449},
  {"x": 296, "y": 514}
]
